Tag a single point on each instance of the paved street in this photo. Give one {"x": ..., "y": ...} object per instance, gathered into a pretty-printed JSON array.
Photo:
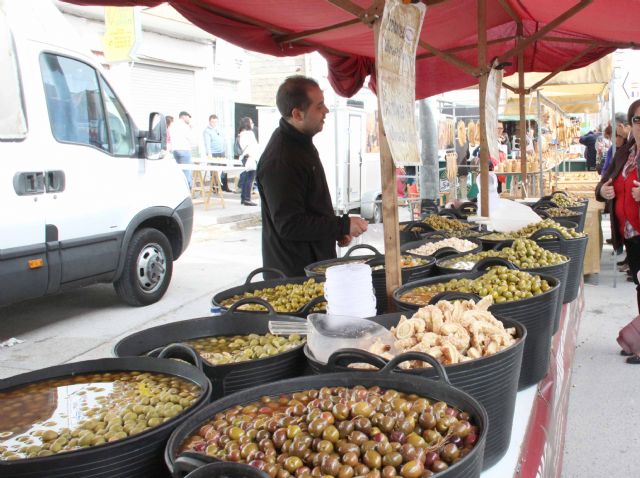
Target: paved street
[{"x": 86, "y": 323}]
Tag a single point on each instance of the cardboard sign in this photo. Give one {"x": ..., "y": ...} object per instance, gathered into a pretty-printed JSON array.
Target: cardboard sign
[
  {"x": 492, "y": 99},
  {"x": 396, "y": 77},
  {"x": 122, "y": 30}
]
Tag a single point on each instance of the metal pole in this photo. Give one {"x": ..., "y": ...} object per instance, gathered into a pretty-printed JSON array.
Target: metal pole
[{"x": 540, "y": 143}]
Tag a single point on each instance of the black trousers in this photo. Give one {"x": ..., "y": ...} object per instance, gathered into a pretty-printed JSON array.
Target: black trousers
[{"x": 633, "y": 257}]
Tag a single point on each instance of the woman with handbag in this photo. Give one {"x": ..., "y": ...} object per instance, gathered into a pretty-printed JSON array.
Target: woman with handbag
[
  {"x": 620, "y": 186},
  {"x": 249, "y": 146}
]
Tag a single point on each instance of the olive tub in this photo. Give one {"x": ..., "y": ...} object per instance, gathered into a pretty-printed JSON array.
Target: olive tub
[
  {"x": 469, "y": 466},
  {"x": 139, "y": 456}
]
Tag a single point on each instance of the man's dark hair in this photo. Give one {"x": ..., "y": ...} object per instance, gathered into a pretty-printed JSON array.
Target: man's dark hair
[
  {"x": 621, "y": 118},
  {"x": 213, "y": 117},
  {"x": 184, "y": 113},
  {"x": 632, "y": 110},
  {"x": 293, "y": 93},
  {"x": 245, "y": 123}
]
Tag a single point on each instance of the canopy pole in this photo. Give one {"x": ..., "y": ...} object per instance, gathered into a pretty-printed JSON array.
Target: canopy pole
[
  {"x": 484, "y": 76},
  {"x": 540, "y": 159},
  {"x": 391, "y": 225},
  {"x": 523, "y": 132}
]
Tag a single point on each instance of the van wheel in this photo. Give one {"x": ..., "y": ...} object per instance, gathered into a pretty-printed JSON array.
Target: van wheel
[
  {"x": 147, "y": 268},
  {"x": 377, "y": 214}
]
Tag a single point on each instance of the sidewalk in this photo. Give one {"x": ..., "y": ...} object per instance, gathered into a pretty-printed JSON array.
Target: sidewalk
[{"x": 233, "y": 215}]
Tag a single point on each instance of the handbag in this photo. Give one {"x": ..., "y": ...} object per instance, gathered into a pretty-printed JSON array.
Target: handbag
[{"x": 629, "y": 336}]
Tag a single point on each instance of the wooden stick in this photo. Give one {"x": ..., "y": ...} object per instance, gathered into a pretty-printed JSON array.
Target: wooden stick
[
  {"x": 389, "y": 206},
  {"x": 523, "y": 119},
  {"x": 563, "y": 67},
  {"x": 484, "y": 76},
  {"x": 466, "y": 47},
  {"x": 292, "y": 37}
]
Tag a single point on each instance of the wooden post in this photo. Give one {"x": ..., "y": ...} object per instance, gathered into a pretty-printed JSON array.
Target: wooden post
[
  {"x": 484, "y": 75},
  {"x": 389, "y": 207},
  {"x": 523, "y": 120}
]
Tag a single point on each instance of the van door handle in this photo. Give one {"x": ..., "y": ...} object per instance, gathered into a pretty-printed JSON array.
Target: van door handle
[
  {"x": 28, "y": 183},
  {"x": 54, "y": 181}
]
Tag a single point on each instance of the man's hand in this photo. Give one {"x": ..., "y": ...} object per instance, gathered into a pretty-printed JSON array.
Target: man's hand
[
  {"x": 607, "y": 192},
  {"x": 345, "y": 241},
  {"x": 635, "y": 192},
  {"x": 357, "y": 226}
]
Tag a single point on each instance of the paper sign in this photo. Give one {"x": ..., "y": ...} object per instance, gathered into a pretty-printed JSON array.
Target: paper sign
[
  {"x": 492, "y": 99},
  {"x": 121, "y": 33},
  {"x": 396, "y": 77}
]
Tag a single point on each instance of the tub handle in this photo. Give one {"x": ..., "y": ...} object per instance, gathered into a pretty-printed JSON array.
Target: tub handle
[
  {"x": 308, "y": 307},
  {"x": 252, "y": 300},
  {"x": 395, "y": 361},
  {"x": 547, "y": 231},
  {"x": 484, "y": 264},
  {"x": 362, "y": 246},
  {"x": 189, "y": 461},
  {"x": 446, "y": 252},
  {"x": 345, "y": 357},
  {"x": 254, "y": 273},
  {"x": 182, "y": 352}
]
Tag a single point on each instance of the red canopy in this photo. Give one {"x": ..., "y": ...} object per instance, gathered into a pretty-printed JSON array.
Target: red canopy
[{"x": 266, "y": 26}]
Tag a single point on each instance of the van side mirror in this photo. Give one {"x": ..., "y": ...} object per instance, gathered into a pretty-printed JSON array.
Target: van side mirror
[{"x": 156, "y": 143}]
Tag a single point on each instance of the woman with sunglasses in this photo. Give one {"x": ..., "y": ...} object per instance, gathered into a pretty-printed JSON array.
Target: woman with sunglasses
[{"x": 620, "y": 186}]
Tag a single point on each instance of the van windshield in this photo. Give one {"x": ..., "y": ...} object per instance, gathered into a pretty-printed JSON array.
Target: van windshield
[{"x": 13, "y": 119}]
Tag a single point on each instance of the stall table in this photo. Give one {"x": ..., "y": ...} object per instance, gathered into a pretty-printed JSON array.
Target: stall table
[{"x": 208, "y": 188}]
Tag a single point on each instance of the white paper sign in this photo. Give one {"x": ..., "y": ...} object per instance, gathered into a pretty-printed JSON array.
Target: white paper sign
[{"x": 396, "y": 77}]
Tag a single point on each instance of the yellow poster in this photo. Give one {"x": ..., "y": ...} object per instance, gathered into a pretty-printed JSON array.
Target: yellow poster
[
  {"x": 120, "y": 34},
  {"x": 396, "y": 77}
]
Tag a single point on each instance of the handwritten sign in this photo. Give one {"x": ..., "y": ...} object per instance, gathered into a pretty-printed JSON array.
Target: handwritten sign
[
  {"x": 492, "y": 99},
  {"x": 396, "y": 77},
  {"x": 121, "y": 33}
]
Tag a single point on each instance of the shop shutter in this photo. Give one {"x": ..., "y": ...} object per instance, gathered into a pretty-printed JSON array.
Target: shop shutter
[{"x": 162, "y": 89}]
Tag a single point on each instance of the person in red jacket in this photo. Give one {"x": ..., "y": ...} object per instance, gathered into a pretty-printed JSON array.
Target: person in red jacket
[{"x": 620, "y": 185}]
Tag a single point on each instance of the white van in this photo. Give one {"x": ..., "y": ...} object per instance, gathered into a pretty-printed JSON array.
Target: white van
[{"x": 85, "y": 196}]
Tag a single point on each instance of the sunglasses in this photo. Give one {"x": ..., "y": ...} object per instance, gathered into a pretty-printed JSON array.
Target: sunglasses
[{"x": 635, "y": 119}]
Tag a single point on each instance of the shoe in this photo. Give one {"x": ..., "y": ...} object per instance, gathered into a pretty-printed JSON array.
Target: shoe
[
  {"x": 624, "y": 268},
  {"x": 626, "y": 354},
  {"x": 635, "y": 360},
  {"x": 629, "y": 279},
  {"x": 237, "y": 191},
  {"x": 249, "y": 203},
  {"x": 609, "y": 241},
  {"x": 227, "y": 190},
  {"x": 622, "y": 262}
]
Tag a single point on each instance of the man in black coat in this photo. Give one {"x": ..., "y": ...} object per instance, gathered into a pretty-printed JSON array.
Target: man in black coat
[
  {"x": 299, "y": 225},
  {"x": 590, "y": 154}
]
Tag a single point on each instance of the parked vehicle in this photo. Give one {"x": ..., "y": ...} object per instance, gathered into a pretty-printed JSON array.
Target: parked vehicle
[{"x": 85, "y": 196}]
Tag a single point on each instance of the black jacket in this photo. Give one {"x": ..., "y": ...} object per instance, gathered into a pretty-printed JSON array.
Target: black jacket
[
  {"x": 590, "y": 154},
  {"x": 299, "y": 225}
]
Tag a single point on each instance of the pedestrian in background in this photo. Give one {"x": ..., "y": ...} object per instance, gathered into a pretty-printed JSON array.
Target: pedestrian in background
[
  {"x": 620, "y": 187},
  {"x": 299, "y": 225},
  {"x": 182, "y": 140},
  {"x": 168, "y": 120},
  {"x": 214, "y": 146},
  {"x": 589, "y": 141},
  {"x": 249, "y": 147},
  {"x": 622, "y": 133}
]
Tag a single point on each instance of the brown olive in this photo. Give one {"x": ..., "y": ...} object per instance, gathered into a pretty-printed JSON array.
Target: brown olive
[{"x": 412, "y": 469}]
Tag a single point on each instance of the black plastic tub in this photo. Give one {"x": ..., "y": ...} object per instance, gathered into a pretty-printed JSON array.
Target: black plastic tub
[
  {"x": 536, "y": 313},
  {"x": 488, "y": 244},
  {"x": 249, "y": 286},
  {"x": 378, "y": 277},
  {"x": 559, "y": 271},
  {"x": 442, "y": 252},
  {"x": 139, "y": 456},
  {"x": 575, "y": 249},
  {"x": 492, "y": 380},
  {"x": 441, "y": 389},
  {"x": 413, "y": 230},
  {"x": 577, "y": 218},
  {"x": 226, "y": 378}
]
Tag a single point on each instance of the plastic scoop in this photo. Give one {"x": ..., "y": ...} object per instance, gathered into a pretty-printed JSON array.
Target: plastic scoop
[{"x": 328, "y": 333}]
